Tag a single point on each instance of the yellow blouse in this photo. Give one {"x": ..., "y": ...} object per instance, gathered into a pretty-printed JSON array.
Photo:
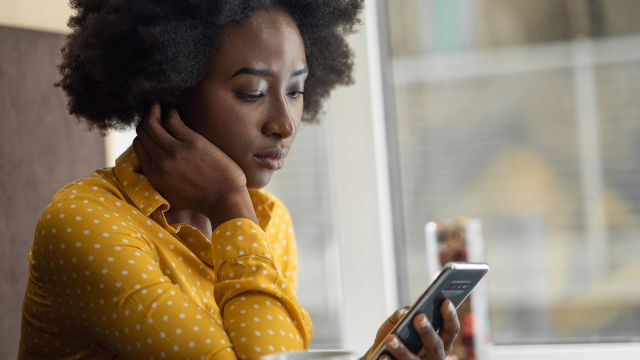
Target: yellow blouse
[{"x": 110, "y": 278}]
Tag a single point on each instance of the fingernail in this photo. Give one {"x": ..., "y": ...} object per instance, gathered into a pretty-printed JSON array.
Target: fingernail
[
  {"x": 423, "y": 321},
  {"x": 451, "y": 308},
  {"x": 403, "y": 311},
  {"x": 392, "y": 342}
]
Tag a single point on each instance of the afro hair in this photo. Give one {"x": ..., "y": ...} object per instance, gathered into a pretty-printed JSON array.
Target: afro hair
[{"x": 123, "y": 55}]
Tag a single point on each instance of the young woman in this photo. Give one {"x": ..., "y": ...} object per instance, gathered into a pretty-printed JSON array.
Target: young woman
[{"x": 176, "y": 252}]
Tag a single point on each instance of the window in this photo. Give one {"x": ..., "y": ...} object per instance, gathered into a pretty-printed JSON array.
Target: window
[{"x": 524, "y": 114}]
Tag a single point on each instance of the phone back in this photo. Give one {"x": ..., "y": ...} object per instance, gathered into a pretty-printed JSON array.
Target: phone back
[{"x": 455, "y": 283}]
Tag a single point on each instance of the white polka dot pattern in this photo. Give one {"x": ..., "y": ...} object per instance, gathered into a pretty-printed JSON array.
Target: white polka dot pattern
[{"x": 110, "y": 277}]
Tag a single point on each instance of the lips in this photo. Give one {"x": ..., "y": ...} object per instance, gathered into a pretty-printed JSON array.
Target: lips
[{"x": 272, "y": 159}]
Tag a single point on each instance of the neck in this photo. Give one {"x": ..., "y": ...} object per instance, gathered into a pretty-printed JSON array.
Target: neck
[{"x": 190, "y": 217}]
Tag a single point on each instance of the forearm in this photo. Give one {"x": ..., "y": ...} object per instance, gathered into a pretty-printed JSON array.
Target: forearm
[
  {"x": 244, "y": 266},
  {"x": 258, "y": 324}
]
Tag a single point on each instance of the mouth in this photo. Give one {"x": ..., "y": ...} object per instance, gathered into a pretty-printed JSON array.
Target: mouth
[{"x": 272, "y": 159}]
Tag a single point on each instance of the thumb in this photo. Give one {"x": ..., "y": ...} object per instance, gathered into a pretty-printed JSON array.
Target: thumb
[
  {"x": 391, "y": 321},
  {"x": 386, "y": 327}
]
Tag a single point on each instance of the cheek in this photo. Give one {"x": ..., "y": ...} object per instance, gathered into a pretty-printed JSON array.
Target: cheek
[
  {"x": 297, "y": 110},
  {"x": 222, "y": 120},
  {"x": 233, "y": 128}
]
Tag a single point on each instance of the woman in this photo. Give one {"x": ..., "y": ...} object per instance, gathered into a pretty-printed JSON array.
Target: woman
[{"x": 176, "y": 252}]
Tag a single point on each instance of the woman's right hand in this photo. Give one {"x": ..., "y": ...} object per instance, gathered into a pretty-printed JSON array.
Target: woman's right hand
[
  {"x": 187, "y": 169},
  {"x": 435, "y": 346}
]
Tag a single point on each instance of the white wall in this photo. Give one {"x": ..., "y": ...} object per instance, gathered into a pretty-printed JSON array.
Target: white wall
[
  {"x": 361, "y": 204},
  {"x": 44, "y": 15}
]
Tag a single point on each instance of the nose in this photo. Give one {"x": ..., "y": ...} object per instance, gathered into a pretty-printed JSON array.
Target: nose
[{"x": 280, "y": 121}]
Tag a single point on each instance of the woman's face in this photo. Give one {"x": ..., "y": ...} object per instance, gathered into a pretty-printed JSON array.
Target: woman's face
[{"x": 250, "y": 102}]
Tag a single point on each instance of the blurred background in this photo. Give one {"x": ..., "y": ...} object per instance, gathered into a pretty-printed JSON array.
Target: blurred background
[
  {"x": 523, "y": 114},
  {"x": 519, "y": 113}
]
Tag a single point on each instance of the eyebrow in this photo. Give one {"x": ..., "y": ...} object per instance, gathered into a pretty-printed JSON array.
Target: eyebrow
[{"x": 266, "y": 72}]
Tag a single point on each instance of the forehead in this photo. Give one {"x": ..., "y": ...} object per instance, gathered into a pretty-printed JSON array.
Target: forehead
[{"x": 267, "y": 38}]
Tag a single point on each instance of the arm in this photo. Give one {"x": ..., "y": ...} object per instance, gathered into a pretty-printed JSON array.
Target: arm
[
  {"x": 108, "y": 283},
  {"x": 256, "y": 296}
]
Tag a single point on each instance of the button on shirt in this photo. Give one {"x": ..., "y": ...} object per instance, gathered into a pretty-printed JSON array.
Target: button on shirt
[{"x": 109, "y": 277}]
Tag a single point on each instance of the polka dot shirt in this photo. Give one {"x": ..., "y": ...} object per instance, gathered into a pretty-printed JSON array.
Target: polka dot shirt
[{"x": 109, "y": 277}]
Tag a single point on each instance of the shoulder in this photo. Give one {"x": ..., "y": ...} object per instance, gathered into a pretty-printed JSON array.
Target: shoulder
[
  {"x": 82, "y": 202},
  {"x": 89, "y": 212},
  {"x": 100, "y": 184},
  {"x": 99, "y": 192}
]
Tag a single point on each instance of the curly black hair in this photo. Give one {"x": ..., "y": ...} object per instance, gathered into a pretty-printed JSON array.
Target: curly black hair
[{"x": 123, "y": 55}]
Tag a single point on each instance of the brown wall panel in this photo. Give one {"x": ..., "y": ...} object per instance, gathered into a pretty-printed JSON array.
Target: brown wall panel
[{"x": 41, "y": 149}]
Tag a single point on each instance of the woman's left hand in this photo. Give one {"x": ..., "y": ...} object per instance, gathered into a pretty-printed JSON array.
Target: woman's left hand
[{"x": 435, "y": 346}]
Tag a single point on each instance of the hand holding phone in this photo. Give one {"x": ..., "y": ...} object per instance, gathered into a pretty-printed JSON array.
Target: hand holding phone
[{"x": 454, "y": 283}]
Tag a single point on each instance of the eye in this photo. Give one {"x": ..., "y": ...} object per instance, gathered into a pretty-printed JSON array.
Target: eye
[
  {"x": 249, "y": 97},
  {"x": 296, "y": 94}
]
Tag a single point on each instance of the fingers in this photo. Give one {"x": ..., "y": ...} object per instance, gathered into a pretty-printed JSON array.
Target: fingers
[
  {"x": 450, "y": 325},
  {"x": 146, "y": 142},
  {"x": 142, "y": 154},
  {"x": 389, "y": 323},
  {"x": 152, "y": 125},
  {"x": 399, "y": 314},
  {"x": 398, "y": 350},
  {"x": 174, "y": 124},
  {"x": 155, "y": 111},
  {"x": 432, "y": 344}
]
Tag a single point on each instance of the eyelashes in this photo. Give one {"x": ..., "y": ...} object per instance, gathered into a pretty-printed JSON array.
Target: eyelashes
[
  {"x": 296, "y": 94},
  {"x": 254, "y": 97},
  {"x": 249, "y": 97}
]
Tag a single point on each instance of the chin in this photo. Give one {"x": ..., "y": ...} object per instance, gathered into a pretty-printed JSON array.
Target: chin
[{"x": 258, "y": 180}]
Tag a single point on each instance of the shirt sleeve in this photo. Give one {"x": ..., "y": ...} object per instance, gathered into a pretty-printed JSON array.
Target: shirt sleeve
[
  {"x": 283, "y": 241},
  {"x": 257, "y": 299},
  {"x": 105, "y": 278}
]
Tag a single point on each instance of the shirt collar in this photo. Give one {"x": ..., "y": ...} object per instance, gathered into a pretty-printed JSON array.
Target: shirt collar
[
  {"x": 147, "y": 199},
  {"x": 136, "y": 186},
  {"x": 263, "y": 204}
]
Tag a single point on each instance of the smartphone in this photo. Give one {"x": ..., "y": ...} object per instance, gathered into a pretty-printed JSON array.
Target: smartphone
[{"x": 455, "y": 282}]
